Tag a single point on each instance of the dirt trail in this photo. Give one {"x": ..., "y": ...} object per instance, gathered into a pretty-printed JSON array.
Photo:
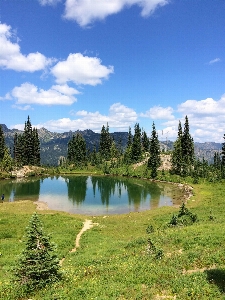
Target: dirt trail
[{"x": 87, "y": 225}]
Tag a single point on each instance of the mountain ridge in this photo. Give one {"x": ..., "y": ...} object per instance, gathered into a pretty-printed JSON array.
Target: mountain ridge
[{"x": 53, "y": 145}]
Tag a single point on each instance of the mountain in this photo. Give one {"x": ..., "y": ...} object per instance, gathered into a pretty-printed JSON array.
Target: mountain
[{"x": 54, "y": 145}]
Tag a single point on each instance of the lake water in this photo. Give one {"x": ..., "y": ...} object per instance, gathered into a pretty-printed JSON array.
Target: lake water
[{"x": 93, "y": 195}]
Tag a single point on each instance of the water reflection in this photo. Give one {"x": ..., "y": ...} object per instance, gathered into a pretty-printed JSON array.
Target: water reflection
[
  {"x": 77, "y": 187},
  {"x": 94, "y": 195}
]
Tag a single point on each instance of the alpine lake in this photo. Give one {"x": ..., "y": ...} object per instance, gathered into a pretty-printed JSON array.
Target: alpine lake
[{"x": 93, "y": 195}]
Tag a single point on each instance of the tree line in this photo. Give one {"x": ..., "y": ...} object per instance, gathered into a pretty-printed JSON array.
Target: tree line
[
  {"x": 26, "y": 149},
  {"x": 139, "y": 148}
]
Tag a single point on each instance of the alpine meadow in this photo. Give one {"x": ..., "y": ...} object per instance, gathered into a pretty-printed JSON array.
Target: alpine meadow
[{"x": 112, "y": 150}]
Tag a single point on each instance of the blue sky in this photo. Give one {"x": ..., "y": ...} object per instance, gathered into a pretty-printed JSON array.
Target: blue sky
[{"x": 78, "y": 64}]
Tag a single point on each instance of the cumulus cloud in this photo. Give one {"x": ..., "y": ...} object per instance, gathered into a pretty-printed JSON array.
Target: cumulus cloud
[
  {"x": 12, "y": 58},
  {"x": 213, "y": 61},
  {"x": 6, "y": 97},
  {"x": 85, "y": 12},
  {"x": 120, "y": 112},
  {"x": 205, "y": 107},
  {"x": 28, "y": 93},
  {"x": 119, "y": 118},
  {"x": 159, "y": 113},
  {"x": 81, "y": 70},
  {"x": 206, "y": 119}
]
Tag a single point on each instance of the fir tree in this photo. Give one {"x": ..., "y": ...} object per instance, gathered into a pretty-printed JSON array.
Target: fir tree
[
  {"x": 77, "y": 150},
  {"x": 217, "y": 161},
  {"x": 187, "y": 148},
  {"x": 145, "y": 142},
  {"x": 130, "y": 138},
  {"x": 36, "y": 148},
  {"x": 136, "y": 148},
  {"x": 38, "y": 264},
  {"x": 154, "y": 159},
  {"x": 7, "y": 162},
  {"x": 2, "y": 143},
  {"x": 177, "y": 155},
  {"x": 28, "y": 154},
  {"x": 26, "y": 148},
  {"x": 105, "y": 143}
]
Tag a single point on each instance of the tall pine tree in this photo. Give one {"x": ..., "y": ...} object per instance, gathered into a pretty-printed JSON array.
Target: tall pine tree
[
  {"x": 136, "y": 148},
  {"x": 177, "y": 155},
  {"x": 183, "y": 157},
  {"x": 154, "y": 160},
  {"x": 187, "y": 148},
  {"x": 26, "y": 148},
  {"x": 105, "y": 143},
  {"x": 77, "y": 151},
  {"x": 145, "y": 141}
]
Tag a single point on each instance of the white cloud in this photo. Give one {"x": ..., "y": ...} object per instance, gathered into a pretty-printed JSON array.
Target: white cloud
[
  {"x": 213, "y": 61},
  {"x": 206, "y": 119},
  {"x": 203, "y": 107},
  {"x": 49, "y": 2},
  {"x": 25, "y": 107},
  {"x": 119, "y": 118},
  {"x": 81, "y": 70},
  {"x": 118, "y": 111},
  {"x": 28, "y": 93},
  {"x": 85, "y": 12},
  {"x": 159, "y": 113},
  {"x": 6, "y": 97},
  {"x": 12, "y": 58}
]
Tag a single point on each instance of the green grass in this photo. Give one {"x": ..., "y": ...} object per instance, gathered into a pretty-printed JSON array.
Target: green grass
[{"x": 113, "y": 261}]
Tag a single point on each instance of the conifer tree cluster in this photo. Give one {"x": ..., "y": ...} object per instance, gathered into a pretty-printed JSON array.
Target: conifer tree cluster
[
  {"x": 77, "y": 153},
  {"x": 26, "y": 149},
  {"x": 183, "y": 154}
]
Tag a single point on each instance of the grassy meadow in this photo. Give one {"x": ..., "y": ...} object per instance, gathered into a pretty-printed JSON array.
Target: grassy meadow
[{"x": 130, "y": 256}]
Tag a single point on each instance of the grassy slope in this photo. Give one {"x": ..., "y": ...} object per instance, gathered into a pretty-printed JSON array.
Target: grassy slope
[{"x": 112, "y": 261}]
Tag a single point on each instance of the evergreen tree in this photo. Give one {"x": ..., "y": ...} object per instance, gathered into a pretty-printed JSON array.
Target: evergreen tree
[
  {"x": 2, "y": 143},
  {"x": 136, "y": 147},
  {"x": 36, "y": 148},
  {"x": 7, "y": 162},
  {"x": 217, "y": 161},
  {"x": 105, "y": 143},
  {"x": 130, "y": 138},
  {"x": 28, "y": 151},
  {"x": 26, "y": 148},
  {"x": 183, "y": 154},
  {"x": 177, "y": 155},
  {"x": 77, "y": 150},
  {"x": 154, "y": 160},
  {"x": 93, "y": 158},
  {"x": 38, "y": 264},
  {"x": 187, "y": 148},
  {"x": 114, "y": 152},
  {"x": 145, "y": 142}
]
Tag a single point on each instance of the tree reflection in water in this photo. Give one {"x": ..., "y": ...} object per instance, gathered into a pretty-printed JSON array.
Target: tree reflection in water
[{"x": 77, "y": 188}]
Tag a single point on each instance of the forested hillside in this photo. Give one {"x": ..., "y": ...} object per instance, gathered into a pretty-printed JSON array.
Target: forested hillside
[{"x": 54, "y": 145}]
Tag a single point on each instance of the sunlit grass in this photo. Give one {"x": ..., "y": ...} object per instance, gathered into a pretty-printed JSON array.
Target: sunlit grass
[{"x": 113, "y": 261}]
